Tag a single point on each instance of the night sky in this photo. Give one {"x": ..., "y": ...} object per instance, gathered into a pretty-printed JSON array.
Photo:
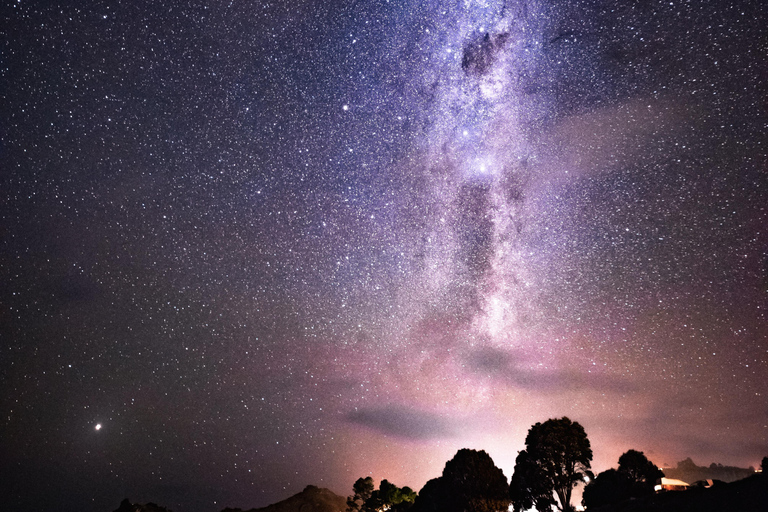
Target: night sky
[{"x": 250, "y": 246}]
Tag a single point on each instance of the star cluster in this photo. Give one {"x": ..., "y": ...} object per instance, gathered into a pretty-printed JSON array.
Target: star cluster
[{"x": 250, "y": 246}]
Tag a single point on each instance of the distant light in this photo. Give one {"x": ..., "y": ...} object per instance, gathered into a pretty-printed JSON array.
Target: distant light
[
  {"x": 98, "y": 426},
  {"x": 345, "y": 108}
]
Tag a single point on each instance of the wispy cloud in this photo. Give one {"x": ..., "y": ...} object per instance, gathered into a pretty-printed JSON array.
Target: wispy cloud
[
  {"x": 403, "y": 422},
  {"x": 508, "y": 368}
]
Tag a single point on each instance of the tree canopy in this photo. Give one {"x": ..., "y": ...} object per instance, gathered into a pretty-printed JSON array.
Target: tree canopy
[
  {"x": 641, "y": 472},
  {"x": 635, "y": 477},
  {"x": 557, "y": 456},
  {"x": 606, "y": 488},
  {"x": 470, "y": 482},
  {"x": 387, "y": 497},
  {"x": 362, "y": 489}
]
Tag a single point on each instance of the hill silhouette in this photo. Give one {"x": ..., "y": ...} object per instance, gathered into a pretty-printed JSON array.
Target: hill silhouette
[
  {"x": 311, "y": 499},
  {"x": 689, "y": 472}
]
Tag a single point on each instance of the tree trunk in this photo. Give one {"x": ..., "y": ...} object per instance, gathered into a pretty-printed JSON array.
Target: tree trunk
[{"x": 565, "y": 504}]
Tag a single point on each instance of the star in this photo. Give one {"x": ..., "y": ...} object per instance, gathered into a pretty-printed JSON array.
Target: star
[{"x": 322, "y": 240}]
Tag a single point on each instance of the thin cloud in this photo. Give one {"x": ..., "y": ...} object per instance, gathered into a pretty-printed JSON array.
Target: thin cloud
[
  {"x": 403, "y": 422},
  {"x": 506, "y": 367}
]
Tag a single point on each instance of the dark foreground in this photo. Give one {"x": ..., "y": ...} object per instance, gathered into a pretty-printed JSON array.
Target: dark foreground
[
  {"x": 747, "y": 495},
  {"x": 311, "y": 499}
]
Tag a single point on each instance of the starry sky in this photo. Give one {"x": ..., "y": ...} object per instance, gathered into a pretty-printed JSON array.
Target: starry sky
[{"x": 250, "y": 246}]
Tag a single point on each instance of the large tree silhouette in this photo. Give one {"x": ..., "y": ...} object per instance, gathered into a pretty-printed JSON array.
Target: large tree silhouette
[
  {"x": 635, "y": 477},
  {"x": 641, "y": 473},
  {"x": 556, "y": 458},
  {"x": 471, "y": 482},
  {"x": 607, "y": 488}
]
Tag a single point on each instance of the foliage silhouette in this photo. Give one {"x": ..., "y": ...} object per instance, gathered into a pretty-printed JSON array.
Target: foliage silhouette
[
  {"x": 363, "y": 489},
  {"x": 607, "y": 488},
  {"x": 641, "y": 473},
  {"x": 635, "y": 478},
  {"x": 556, "y": 458},
  {"x": 387, "y": 497},
  {"x": 470, "y": 482}
]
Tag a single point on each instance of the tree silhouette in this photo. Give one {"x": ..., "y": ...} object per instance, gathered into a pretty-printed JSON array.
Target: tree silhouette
[
  {"x": 635, "y": 477},
  {"x": 471, "y": 482},
  {"x": 432, "y": 497},
  {"x": 607, "y": 488},
  {"x": 640, "y": 472},
  {"x": 387, "y": 497},
  {"x": 556, "y": 458},
  {"x": 528, "y": 487},
  {"x": 363, "y": 489}
]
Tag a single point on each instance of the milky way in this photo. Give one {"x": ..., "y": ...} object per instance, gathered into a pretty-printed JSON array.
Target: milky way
[{"x": 247, "y": 246}]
